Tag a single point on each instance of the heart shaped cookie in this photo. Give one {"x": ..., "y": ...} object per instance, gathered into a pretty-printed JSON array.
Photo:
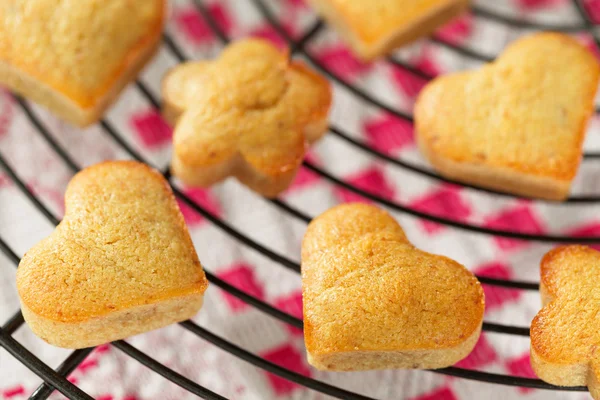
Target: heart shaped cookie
[
  {"x": 516, "y": 125},
  {"x": 250, "y": 114},
  {"x": 374, "y": 28},
  {"x": 374, "y": 301},
  {"x": 121, "y": 262},
  {"x": 75, "y": 56},
  {"x": 564, "y": 334}
]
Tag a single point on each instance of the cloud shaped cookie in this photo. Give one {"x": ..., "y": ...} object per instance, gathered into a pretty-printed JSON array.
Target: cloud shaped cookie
[
  {"x": 121, "y": 262},
  {"x": 516, "y": 125},
  {"x": 75, "y": 56},
  {"x": 564, "y": 335},
  {"x": 374, "y": 301},
  {"x": 249, "y": 114}
]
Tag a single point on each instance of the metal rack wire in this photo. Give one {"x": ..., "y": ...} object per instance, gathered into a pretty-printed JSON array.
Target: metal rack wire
[{"x": 57, "y": 379}]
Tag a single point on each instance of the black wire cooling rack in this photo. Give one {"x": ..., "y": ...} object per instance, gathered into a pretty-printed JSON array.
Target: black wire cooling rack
[{"x": 57, "y": 379}]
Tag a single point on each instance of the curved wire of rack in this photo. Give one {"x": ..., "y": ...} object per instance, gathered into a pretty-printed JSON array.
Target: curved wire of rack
[{"x": 56, "y": 379}]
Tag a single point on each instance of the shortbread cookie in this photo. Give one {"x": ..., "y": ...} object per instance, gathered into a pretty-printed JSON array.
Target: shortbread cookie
[
  {"x": 517, "y": 125},
  {"x": 374, "y": 301},
  {"x": 250, "y": 114},
  {"x": 374, "y": 28},
  {"x": 564, "y": 334},
  {"x": 121, "y": 262},
  {"x": 75, "y": 56}
]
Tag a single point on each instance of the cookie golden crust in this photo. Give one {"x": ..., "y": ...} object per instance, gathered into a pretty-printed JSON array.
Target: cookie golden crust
[
  {"x": 250, "y": 114},
  {"x": 517, "y": 125},
  {"x": 75, "y": 56},
  {"x": 121, "y": 262},
  {"x": 374, "y": 301},
  {"x": 374, "y": 28},
  {"x": 564, "y": 334}
]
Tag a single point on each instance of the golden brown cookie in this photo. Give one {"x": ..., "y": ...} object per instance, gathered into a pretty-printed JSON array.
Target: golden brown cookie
[
  {"x": 374, "y": 301},
  {"x": 250, "y": 114},
  {"x": 75, "y": 56},
  {"x": 564, "y": 334},
  {"x": 517, "y": 125},
  {"x": 121, "y": 262},
  {"x": 374, "y": 28}
]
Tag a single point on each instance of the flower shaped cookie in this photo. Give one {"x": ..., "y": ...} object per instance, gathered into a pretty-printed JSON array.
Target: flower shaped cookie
[
  {"x": 564, "y": 335},
  {"x": 249, "y": 114}
]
